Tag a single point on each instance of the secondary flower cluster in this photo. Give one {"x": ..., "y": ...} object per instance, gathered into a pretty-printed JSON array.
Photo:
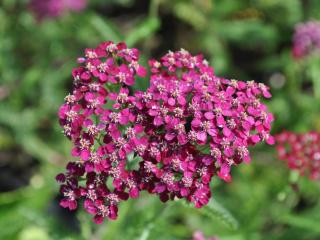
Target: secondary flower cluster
[
  {"x": 170, "y": 140},
  {"x": 55, "y": 8},
  {"x": 301, "y": 152},
  {"x": 306, "y": 39}
]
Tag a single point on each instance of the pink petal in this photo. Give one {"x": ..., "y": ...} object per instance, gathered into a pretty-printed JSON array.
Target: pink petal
[
  {"x": 85, "y": 154},
  {"x": 141, "y": 71},
  {"x": 134, "y": 193},
  {"x": 270, "y": 140},
  {"x": 98, "y": 219},
  {"x": 209, "y": 115},
  {"x": 202, "y": 136},
  {"x": 255, "y": 138},
  {"x": 171, "y": 101}
]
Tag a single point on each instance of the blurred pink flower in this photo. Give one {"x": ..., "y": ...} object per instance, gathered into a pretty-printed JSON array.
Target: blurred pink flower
[
  {"x": 55, "y": 8},
  {"x": 306, "y": 39},
  {"x": 75, "y": 5},
  {"x": 198, "y": 235},
  {"x": 301, "y": 152}
]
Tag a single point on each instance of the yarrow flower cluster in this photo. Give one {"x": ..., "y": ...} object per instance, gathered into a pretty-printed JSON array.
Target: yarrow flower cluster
[
  {"x": 187, "y": 108},
  {"x": 55, "y": 8},
  {"x": 306, "y": 39},
  {"x": 170, "y": 140},
  {"x": 103, "y": 127},
  {"x": 301, "y": 152}
]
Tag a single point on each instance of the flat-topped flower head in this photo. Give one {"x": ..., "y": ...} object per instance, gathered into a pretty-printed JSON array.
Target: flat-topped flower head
[
  {"x": 306, "y": 39},
  {"x": 301, "y": 151},
  {"x": 189, "y": 108},
  {"x": 170, "y": 140}
]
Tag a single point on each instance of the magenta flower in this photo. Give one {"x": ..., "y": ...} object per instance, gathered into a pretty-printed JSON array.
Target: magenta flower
[
  {"x": 103, "y": 137},
  {"x": 306, "y": 39},
  {"x": 189, "y": 126},
  {"x": 55, "y": 8},
  {"x": 301, "y": 152},
  {"x": 187, "y": 108}
]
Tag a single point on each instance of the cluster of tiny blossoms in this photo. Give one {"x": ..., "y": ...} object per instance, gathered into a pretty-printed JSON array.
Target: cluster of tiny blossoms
[
  {"x": 102, "y": 126},
  {"x": 301, "y": 152},
  {"x": 55, "y": 8},
  {"x": 188, "y": 126},
  {"x": 198, "y": 125},
  {"x": 306, "y": 39}
]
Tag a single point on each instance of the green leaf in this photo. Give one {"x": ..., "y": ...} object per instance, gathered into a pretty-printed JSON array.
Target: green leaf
[
  {"x": 133, "y": 161},
  {"x": 33, "y": 233},
  {"x": 11, "y": 221},
  {"x": 300, "y": 222},
  {"x": 143, "y": 31},
  {"x": 184, "y": 11},
  {"x": 12, "y": 197},
  {"x": 146, "y": 232},
  {"x": 216, "y": 211},
  {"x": 203, "y": 148},
  {"x": 258, "y": 33},
  {"x": 105, "y": 28},
  {"x": 314, "y": 73},
  {"x": 36, "y": 147}
]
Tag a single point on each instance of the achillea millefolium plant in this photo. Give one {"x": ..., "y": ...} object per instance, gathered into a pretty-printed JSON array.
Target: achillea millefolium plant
[
  {"x": 170, "y": 140},
  {"x": 301, "y": 152}
]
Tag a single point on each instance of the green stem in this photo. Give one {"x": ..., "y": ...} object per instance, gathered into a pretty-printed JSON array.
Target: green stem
[
  {"x": 158, "y": 215},
  {"x": 153, "y": 9},
  {"x": 86, "y": 226}
]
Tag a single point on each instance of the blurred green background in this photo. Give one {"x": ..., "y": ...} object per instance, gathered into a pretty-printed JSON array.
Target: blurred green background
[{"x": 243, "y": 39}]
